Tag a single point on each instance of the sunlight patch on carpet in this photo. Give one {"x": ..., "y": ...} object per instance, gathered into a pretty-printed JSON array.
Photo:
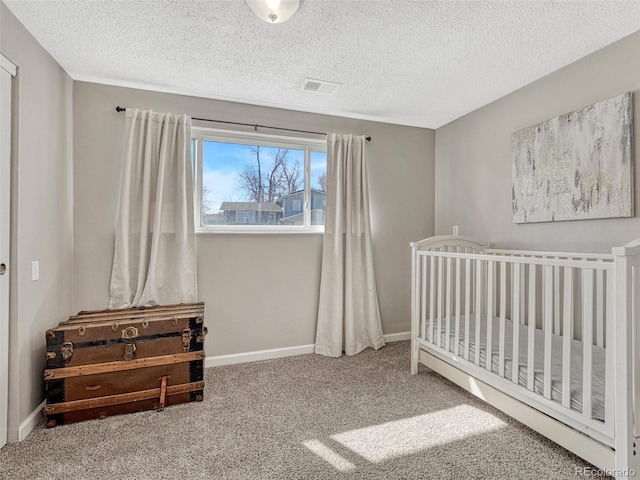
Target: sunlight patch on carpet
[
  {"x": 339, "y": 463},
  {"x": 399, "y": 438}
]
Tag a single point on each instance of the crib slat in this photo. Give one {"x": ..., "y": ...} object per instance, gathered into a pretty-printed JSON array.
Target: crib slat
[
  {"x": 432, "y": 298},
  {"x": 494, "y": 296},
  {"x": 503, "y": 308},
  {"x": 523, "y": 306},
  {"x": 490, "y": 310},
  {"x": 456, "y": 345},
  {"x": 531, "y": 320},
  {"x": 510, "y": 285},
  {"x": 600, "y": 307},
  {"x": 467, "y": 305},
  {"x": 439, "y": 327},
  {"x": 556, "y": 299},
  {"x": 515, "y": 363},
  {"x": 548, "y": 327},
  {"x": 567, "y": 336},
  {"x": 478, "y": 310},
  {"x": 510, "y": 291},
  {"x": 523, "y": 301},
  {"x": 542, "y": 289},
  {"x": 423, "y": 305},
  {"x": 447, "y": 325},
  {"x": 587, "y": 339},
  {"x": 610, "y": 357}
]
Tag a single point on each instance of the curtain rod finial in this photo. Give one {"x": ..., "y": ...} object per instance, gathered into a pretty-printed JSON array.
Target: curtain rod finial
[
  {"x": 120, "y": 109},
  {"x": 368, "y": 139}
]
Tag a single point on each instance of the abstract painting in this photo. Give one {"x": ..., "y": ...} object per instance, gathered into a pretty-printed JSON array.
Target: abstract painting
[{"x": 576, "y": 166}]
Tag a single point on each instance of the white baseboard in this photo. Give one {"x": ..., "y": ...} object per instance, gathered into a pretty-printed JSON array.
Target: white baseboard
[
  {"x": 219, "y": 360},
  {"x": 30, "y": 422},
  {"x": 397, "y": 337}
]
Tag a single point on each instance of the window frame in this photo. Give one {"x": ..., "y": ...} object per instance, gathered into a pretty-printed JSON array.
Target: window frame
[{"x": 306, "y": 144}]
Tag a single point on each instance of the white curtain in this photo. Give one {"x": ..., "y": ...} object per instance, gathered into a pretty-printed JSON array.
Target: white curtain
[
  {"x": 154, "y": 261},
  {"x": 348, "y": 314}
]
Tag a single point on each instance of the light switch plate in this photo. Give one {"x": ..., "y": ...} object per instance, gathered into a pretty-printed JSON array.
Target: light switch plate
[{"x": 35, "y": 271}]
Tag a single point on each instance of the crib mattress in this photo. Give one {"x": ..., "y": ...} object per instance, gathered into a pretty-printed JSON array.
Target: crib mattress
[{"x": 598, "y": 370}]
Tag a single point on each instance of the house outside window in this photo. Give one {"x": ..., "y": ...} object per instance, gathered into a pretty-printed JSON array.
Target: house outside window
[
  {"x": 292, "y": 211},
  {"x": 258, "y": 183},
  {"x": 247, "y": 217}
]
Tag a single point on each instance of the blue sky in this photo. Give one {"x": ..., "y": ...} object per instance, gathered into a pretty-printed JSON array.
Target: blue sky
[{"x": 222, "y": 162}]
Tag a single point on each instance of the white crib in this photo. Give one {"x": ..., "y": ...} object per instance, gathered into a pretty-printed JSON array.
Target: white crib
[{"x": 549, "y": 338}]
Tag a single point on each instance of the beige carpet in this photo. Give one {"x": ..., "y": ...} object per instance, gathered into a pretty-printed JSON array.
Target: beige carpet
[{"x": 305, "y": 417}]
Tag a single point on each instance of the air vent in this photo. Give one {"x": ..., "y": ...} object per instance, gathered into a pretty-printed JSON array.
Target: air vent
[
  {"x": 311, "y": 86},
  {"x": 318, "y": 86}
]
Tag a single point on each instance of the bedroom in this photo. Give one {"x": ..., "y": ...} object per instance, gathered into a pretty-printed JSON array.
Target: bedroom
[{"x": 75, "y": 161}]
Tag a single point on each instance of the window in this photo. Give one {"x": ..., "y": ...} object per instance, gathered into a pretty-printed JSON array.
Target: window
[{"x": 250, "y": 182}]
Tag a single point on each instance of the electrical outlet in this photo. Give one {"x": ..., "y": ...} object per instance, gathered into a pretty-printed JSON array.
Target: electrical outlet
[
  {"x": 455, "y": 229},
  {"x": 35, "y": 271}
]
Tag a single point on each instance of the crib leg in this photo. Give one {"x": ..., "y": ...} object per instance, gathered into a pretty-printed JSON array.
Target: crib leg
[
  {"x": 414, "y": 356},
  {"x": 626, "y": 457},
  {"x": 625, "y": 445}
]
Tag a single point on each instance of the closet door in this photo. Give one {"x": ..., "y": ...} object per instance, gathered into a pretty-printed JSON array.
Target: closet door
[{"x": 7, "y": 71}]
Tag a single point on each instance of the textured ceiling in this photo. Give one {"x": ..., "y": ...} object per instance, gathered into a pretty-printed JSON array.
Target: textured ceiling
[{"x": 422, "y": 63}]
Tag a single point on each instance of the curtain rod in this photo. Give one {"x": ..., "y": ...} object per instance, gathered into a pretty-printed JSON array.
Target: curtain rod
[{"x": 255, "y": 126}]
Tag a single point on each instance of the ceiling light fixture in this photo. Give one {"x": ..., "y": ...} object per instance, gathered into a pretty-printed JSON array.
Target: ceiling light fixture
[{"x": 274, "y": 11}]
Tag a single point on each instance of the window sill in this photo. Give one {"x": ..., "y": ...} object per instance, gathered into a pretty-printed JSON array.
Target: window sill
[{"x": 224, "y": 230}]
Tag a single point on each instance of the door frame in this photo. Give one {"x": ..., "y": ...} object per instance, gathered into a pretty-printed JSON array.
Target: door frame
[{"x": 7, "y": 72}]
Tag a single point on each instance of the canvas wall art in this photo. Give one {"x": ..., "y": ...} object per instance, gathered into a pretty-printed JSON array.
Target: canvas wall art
[{"x": 576, "y": 166}]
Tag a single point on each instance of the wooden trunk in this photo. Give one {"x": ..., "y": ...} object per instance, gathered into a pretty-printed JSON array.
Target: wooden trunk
[{"x": 108, "y": 362}]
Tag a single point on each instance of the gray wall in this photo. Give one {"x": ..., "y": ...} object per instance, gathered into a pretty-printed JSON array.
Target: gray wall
[
  {"x": 261, "y": 291},
  {"x": 473, "y": 156},
  {"x": 42, "y": 202}
]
